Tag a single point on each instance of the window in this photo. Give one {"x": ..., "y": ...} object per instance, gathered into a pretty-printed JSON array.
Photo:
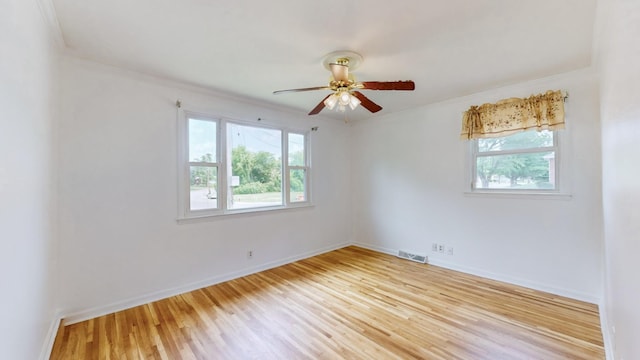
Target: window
[
  {"x": 298, "y": 168},
  {"x": 203, "y": 164},
  {"x": 230, "y": 167},
  {"x": 523, "y": 162},
  {"x": 256, "y": 166}
]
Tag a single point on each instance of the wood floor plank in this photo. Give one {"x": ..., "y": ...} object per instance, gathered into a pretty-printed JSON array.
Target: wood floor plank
[{"x": 350, "y": 303}]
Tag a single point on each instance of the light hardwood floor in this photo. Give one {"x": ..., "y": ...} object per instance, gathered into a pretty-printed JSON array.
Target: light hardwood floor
[{"x": 350, "y": 303}]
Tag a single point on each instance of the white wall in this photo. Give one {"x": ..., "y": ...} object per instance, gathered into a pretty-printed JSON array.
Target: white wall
[
  {"x": 120, "y": 242},
  {"x": 28, "y": 70},
  {"x": 619, "y": 57},
  {"x": 409, "y": 182}
]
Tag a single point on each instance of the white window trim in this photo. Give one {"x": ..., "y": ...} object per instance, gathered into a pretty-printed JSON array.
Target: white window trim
[
  {"x": 561, "y": 192},
  {"x": 223, "y": 163}
]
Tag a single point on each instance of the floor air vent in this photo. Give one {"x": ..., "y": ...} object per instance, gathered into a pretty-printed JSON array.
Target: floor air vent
[{"x": 413, "y": 257}]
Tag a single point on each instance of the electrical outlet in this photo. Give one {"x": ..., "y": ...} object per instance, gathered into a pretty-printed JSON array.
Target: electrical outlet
[
  {"x": 450, "y": 250},
  {"x": 250, "y": 254},
  {"x": 441, "y": 248},
  {"x": 434, "y": 247}
]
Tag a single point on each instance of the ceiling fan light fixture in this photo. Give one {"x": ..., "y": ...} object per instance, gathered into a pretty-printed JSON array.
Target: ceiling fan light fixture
[
  {"x": 344, "y": 98},
  {"x": 353, "y": 102},
  {"x": 331, "y": 101}
]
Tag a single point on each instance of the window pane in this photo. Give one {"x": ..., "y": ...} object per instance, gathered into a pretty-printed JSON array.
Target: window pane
[
  {"x": 296, "y": 150},
  {"x": 297, "y": 183},
  {"x": 203, "y": 187},
  {"x": 520, "y": 171},
  {"x": 256, "y": 166},
  {"x": 523, "y": 140},
  {"x": 202, "y": 140}
]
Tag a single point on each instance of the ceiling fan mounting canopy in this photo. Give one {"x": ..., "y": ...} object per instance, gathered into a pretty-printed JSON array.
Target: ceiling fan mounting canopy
[
  {"x": 353, "y": 59},
  {"x": 344, "y": 86}
]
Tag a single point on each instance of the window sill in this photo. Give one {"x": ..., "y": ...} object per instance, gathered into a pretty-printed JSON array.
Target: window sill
[
  {"x": 519, "y": 195},
  {"x": 241, "y": 213}
]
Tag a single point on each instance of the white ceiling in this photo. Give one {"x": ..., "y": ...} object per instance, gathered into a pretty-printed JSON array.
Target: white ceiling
[{"x": 250, "y": 48}]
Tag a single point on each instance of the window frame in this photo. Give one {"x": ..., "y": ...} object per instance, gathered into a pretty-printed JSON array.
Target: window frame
[
  {"x": 223, "y": 164},
  {"x": 560, "y": 171},
  {"x": 306, "y": 167}
]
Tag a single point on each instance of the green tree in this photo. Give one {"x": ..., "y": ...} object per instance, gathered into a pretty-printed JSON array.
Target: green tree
[
  {"x": 265, "y": 167},
  {"x": 486, "y": 167},
  {"x": 258, "y": 172},
  {"x": 515, "y": 167},
  {"x": 242, "y": 163},
  {"x": 296, "y": 158},
  {"x": 523, "y": 166},
  {"x": 296, "y": 178}
]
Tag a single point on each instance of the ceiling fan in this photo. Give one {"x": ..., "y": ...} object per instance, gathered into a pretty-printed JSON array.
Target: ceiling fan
[{"x": 344, "y": 87}]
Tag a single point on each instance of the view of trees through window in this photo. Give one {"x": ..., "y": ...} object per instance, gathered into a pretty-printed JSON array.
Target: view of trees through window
[
  {"x": 257, "y": 172},
  {"x": 256, "y": 166},
  {"x": 297, "y": 168},
  {"x": 524, "y": 160},
  {"x": 259, "y": 164}
]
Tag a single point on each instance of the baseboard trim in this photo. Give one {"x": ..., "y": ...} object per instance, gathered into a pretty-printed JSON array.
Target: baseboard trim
[
  {"x": 606, "y": 332},
  {"x": 380, "y": 249},
  {"x": 576, "y": 295},
  {"x": 52, "y": 333},
  {"x": 82, "y": 315}
]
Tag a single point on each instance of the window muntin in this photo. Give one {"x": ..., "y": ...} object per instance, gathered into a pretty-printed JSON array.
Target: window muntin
[
  {"x": 526, "y": 161},
  {"x": 230, "y": 166}
]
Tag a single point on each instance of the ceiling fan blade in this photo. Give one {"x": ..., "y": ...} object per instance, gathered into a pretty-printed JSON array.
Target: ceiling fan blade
[
  {"x": 366, "y": 103},
  {"x": 387, "y": 85},
  {"x": 319, "y": 107},
  {"x": 302, "y": 89},
  {"x": 340, "y": 72}
]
